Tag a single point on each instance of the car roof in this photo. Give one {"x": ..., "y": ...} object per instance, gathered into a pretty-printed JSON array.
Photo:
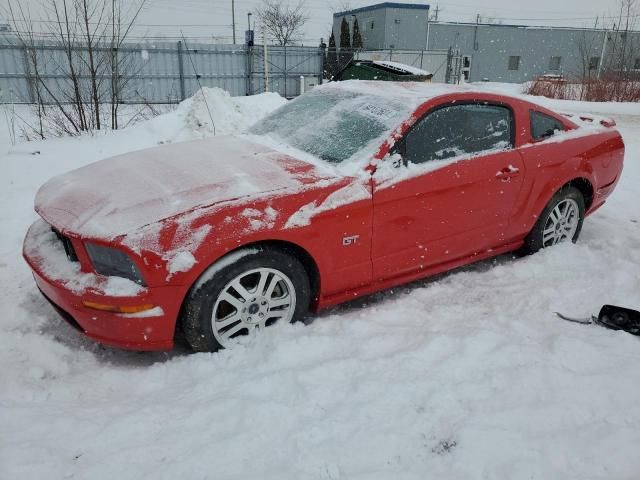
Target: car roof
[{"x": 417, "y": 91}]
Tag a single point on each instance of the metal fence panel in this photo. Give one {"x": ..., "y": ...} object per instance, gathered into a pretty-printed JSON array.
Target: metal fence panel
[
  {"x": 285, "y": 66},
  {"x": 168, "y": 72}
]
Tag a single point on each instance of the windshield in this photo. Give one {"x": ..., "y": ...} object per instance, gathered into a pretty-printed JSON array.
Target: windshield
[{"x": 333, "y": 124}]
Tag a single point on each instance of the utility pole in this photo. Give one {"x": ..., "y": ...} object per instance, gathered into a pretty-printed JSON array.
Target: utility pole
[
  {"x": 604, "y": 49},
  {"x": 264, "y": 55},
  {"x": 233, "y": 19},
  {"x": 429, "y": 20}
]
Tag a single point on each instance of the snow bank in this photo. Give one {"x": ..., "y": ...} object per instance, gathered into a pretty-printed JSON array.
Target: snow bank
[{"x": 213, "y": 110}]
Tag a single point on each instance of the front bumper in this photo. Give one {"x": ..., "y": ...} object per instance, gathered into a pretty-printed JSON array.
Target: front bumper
[{"x": 150, "y": 330}]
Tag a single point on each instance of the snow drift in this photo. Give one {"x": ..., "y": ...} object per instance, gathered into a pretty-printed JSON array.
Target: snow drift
[
  {"x": 468, "y": 375},
  {"x": 212, "y": 111}
]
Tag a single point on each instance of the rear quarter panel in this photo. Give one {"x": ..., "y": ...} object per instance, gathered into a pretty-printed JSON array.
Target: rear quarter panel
[{"x": 595, "y": 157}]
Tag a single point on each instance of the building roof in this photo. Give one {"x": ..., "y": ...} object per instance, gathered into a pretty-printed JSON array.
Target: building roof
[
  {"x": 529, "y": 27},
  {"x": 378, "y": 6}
]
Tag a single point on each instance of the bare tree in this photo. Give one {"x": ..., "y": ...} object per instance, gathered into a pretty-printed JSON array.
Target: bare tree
[
  {"x": 121, "y": 25},
  {"x": 282, "y": 22},
  {"x": 606, "y": 71},
  {"x": 588, "y": 63},
  {"x": 340, "y": 6},
  {"x": 622, "y": 51},
  {"x": 80, "y": 44}
]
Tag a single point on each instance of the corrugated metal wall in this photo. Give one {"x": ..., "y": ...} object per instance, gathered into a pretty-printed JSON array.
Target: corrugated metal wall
[{"x": 163, "y": 72}]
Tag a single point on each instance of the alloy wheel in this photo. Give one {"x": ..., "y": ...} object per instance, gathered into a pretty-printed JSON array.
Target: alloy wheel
[
  {"x": 562, "y": 223},
  {"x": 253, "y": 300}
]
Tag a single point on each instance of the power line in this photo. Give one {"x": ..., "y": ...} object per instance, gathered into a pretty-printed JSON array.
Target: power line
[{"x": 53, "y": 22}]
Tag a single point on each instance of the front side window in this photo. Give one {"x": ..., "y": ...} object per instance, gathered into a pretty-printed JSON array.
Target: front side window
[
  {"x": 636, "y": 64},
  {"x": 544, "y": 126},
  {"x": 459, "y": 130},
  {"x": 594, "y": 62}
]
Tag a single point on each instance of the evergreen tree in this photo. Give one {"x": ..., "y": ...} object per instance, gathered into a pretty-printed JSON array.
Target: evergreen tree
[
  {"x": 357, "y": 37},
  {"x": 345, "y": 44},
  {"x": 331, "y": 65}
]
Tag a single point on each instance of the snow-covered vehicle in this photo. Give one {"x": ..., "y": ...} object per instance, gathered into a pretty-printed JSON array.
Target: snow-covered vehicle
[{"x": 352, "y": 188}]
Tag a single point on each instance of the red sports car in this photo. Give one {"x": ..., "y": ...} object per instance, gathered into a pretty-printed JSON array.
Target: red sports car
[{"x": 352, "y": 188}]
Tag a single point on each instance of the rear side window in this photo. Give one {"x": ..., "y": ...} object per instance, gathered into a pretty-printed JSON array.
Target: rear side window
[
  {"x": 544, "y": 126},
  {"x": 459, "y": 130}
]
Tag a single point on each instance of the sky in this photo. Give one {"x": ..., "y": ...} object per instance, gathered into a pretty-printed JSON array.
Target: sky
[{"x": 212, "y": 18}]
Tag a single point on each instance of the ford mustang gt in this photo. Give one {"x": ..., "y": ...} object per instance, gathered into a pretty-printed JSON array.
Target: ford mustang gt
[{"x": 352, "y": 188}]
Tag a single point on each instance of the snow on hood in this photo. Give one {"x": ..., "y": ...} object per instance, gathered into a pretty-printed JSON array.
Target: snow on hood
[{"x": 120, "y": 194}]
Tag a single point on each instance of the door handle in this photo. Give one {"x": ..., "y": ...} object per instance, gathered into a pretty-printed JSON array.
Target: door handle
[{"x": 507, "y": 173}]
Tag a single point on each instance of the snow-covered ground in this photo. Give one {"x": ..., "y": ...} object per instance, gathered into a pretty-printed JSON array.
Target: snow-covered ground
[{"x": 468, "y": 375}]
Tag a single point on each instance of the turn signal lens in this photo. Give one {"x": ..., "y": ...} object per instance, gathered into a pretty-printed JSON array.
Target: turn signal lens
[{"x": 118, "y": 308}]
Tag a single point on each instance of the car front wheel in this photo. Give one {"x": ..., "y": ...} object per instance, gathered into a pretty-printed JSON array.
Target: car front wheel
[
  {"x": 254, "y": 290},
  {"x": 561, "y": 221}
]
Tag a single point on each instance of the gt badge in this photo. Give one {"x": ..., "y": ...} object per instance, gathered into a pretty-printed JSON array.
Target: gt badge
[{"x": 351, "y": 240}]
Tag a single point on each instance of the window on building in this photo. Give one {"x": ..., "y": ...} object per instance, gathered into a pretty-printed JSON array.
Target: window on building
[
  {"x": 459, "y": 130},
  {"x": 514, "y": 63},
  {"x": 543, "y": 125},
  {"x": 371, "y": 25},
  {"x": 554, "y": 63},
  {"x": 594, "y": 62},
  {"x": 636, "y": 65}
]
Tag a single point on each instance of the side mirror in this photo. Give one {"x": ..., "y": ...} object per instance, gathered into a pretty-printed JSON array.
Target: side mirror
[
  {"x": 396, "y": 155},
  {"x": 388, "y": 168},
  {"x": 397, "y": 161}
]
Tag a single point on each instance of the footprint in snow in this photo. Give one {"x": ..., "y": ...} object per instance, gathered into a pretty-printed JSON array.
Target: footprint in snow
[{"x": 444, "y": 447}]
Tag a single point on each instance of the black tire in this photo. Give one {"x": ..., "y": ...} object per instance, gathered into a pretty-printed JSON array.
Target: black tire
[
  {"x": 535, "y": 240},
  {"x": 197, "y": 312}
]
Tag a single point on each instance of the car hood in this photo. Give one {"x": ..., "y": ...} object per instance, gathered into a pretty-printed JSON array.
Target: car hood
[{"x": 117, "y": 195}]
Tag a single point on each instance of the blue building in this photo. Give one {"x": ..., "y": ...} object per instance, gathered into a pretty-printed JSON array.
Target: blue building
[{"x": 496, "y": 52}]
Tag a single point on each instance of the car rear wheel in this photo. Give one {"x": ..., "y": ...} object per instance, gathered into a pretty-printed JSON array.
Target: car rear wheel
[
  {"x": 561, "y": 221},
  {"x": 260, "y": 288}
]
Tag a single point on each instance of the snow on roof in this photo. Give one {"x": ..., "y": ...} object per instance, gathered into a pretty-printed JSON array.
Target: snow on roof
[
  {"x": 416, "y": 92},
  {"x": 402, "y": 67}
]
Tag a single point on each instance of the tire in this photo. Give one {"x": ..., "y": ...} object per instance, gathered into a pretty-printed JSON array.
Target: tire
[
  {"x": 564, "y": 214},
  {"x": 228, "y": 290}
]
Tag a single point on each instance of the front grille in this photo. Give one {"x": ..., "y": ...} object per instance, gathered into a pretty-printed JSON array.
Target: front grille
[{"x": 67, "y": 245}]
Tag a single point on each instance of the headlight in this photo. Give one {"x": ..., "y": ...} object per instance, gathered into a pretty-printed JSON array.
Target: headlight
[{"x": 112, "y": 262}]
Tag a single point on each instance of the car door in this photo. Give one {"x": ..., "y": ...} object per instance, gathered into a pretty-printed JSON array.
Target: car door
[{"x": 452, "y": 194}]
